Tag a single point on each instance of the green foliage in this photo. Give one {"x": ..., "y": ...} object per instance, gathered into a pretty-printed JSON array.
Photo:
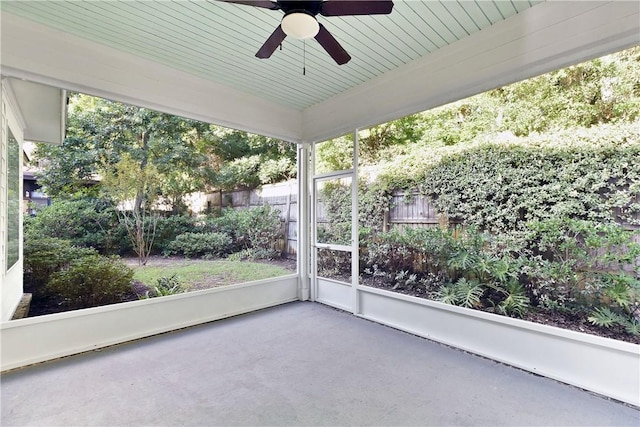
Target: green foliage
[
  {"x": 170, "y": 227},
  {"x": 253, "y": 254},
  {"x": 170, "y": 285},
  {"x": 92, "y": 281},
  {"x": 239, "y": 173},
  {"x": 72, "y": 276},
  {"x": 599, "y": 91},
  {"x": 463, "y": 293},
  {"x": 334, "y": 155},
  {"x": 334, "y": 264},
  {"x": 373, "y": 201},
  {"x": 85, "y": 222},
  {"x": 515, "y": 302},
  {"x": 246, "y": 160},
  {"x": 335, "y": 197},
  {"x": 186, "y": 155},
  {"x": 616, "y": 301},
  {"x": 201, "y": 244},
  {"x": 257, "y": 229},
  {"x": 44, "y": 256},
  {"x": 419, "y": 250},
  {"x": 277, "y": 170},
  {"x": 500, "y": 187},
  {"x": 568, "y": 262}
]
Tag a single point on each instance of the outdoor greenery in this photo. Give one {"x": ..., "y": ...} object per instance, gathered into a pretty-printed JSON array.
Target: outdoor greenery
[
  {"x": 192, "y": 275},
  {"x": 91, "y": 281},
  {"x": 542, "y": 179},
  {"x": 201, "y": 244},
  {"x": 537, "y": 185},
  {"x": 574, "y": 266},
  {"x": 71, "y": 277}
]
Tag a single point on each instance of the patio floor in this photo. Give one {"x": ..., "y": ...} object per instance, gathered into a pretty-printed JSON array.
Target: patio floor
[{"x": 296, "y": 364}]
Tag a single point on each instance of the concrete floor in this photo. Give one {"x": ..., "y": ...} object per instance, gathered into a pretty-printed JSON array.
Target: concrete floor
[{"x": 296, "y": 364}]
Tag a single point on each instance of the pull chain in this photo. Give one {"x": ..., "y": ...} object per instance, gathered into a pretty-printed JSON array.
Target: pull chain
[{"x": 304, "y": 57}]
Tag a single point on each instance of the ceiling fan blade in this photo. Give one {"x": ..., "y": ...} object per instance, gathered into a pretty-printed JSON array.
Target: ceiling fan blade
[
  {"x": 331, "y": 45},
  {"x": 265, "y": 3},
  {"x": 271, "y": 44},
  {"x": 342, "y": 8}
]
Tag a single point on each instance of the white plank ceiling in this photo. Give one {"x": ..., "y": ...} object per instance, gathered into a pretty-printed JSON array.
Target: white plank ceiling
[
  {"x": 217, "y": 41},
  {"x": 196, "y": 58}
]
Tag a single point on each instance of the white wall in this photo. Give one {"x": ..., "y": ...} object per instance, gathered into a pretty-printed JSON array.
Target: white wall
[
  {"x": 37, "y": 339},
  {"x": 11, "y": 280}
]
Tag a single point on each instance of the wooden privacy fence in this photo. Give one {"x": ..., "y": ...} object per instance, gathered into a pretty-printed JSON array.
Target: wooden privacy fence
[
  {"x": 412, "y": 210},
  {"x": 282, "y": 197},
  {"x": 408, "y": 210}
]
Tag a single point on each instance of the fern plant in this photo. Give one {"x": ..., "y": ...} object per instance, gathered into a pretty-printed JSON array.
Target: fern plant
[
  {"x": 620, "y": 303},
  {"x": 465, "y": 293},
  {"x": 516, "y": 302},
  {"x": 168, "y": 286}
]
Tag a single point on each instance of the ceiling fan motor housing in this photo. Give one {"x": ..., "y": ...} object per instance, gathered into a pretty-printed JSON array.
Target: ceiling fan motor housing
[{"x": 300, "y": 24}]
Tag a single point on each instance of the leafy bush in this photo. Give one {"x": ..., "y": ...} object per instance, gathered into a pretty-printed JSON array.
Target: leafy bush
[
  {"x": 566, "y": 259},
  {"x": 84, "y": 222},
  {"x": 257, "y": 229},
  {"x": 277, "y": 170},
  {"x": 44, "y": 256},
  {"x": 201, "y": 244},
  {"x": 419, "y": 250},
  {"x": 168, "y": 228},
  {"x": 617, "y": 302},
  {"x": 239, "y": 173},
  {"x": 334, "y": 264},
  {"x": 91, "y": 281},
  {"x": 499, "y": 187},
  {"x": 253, "y": 254},
  {"x": 166, "y": 286},
  {"x": 335, "y": 198},
  {"x": 463, "y": 292}
]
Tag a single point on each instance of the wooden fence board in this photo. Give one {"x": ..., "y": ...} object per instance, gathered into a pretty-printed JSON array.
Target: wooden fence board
[{"x": 407, "y": 210}]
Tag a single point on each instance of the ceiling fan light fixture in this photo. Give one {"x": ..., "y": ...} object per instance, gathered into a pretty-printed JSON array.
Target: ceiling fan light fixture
[{"x": 300, "y": 25}]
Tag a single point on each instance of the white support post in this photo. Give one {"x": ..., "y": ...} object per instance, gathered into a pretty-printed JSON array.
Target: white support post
[
  {"x": 355, "y": 240},
  {"x": 304, "y": 241}
]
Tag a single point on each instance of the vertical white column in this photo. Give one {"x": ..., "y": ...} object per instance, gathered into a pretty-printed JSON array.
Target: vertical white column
[
  {"x": 355, "y": 237},
  {"x": 304, "y": 205}
]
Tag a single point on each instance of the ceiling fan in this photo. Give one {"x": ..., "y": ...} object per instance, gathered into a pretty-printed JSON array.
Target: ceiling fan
[{"x": 300, "y": 22}]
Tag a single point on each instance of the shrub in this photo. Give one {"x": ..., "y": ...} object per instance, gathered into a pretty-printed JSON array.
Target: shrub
[
  {"x": 168, "y": 228},
  {"x": 261, "y": 227},
  {"x": 567, "y": 258},
  {"x": 258, "y": 229},
  {"x": 91, "y": 281},
  {"x": 201, "y": 244},
  {"x": 167, "y": 286},
  {"x": 592, "y": 174},
  {"x": 84, "y": 222},
  {"x": 617, "y": 302},
  {"x": 334, "y": 264},
  {"x": 44, "y": 256},
  {"x": 420, "y": 250}
]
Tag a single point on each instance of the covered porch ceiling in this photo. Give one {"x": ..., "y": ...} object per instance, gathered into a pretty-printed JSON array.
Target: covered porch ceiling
[{"x": 196, "y": 58}]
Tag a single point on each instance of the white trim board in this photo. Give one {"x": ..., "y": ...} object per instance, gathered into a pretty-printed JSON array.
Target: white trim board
[{"x": 37, "y": 339}]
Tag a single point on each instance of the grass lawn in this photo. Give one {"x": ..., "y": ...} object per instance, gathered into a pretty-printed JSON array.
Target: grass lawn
[{"x": 201, "y": 274}]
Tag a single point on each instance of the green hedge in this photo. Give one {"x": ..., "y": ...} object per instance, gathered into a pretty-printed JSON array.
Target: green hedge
[{"x": 587, "y": 173}]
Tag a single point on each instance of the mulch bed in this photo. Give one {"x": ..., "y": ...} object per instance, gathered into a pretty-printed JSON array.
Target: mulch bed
[{"x": 573, "y": 322}]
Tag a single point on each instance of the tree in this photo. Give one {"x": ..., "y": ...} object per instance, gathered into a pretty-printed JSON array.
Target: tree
[
  {"x": 245, "y": 160},
  {"x": 135, "y": 188},
  {"x": 101, "y": 131},
  {"x": 189, "y": 155}
]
